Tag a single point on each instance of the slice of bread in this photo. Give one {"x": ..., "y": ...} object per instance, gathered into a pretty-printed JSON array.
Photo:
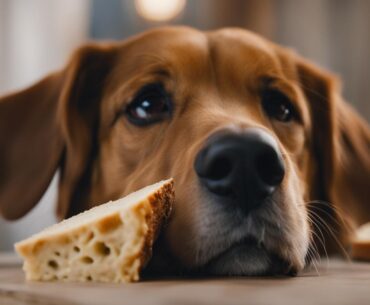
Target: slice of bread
[
  {"x": 111, "y": 242},
  {"x": 361, "y": 243}
]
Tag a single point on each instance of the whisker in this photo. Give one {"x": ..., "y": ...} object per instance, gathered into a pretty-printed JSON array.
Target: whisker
[
  {"x": 336, "y": 209},
  {"x": 321, "y": 239},
  {"x": 313, "y": 233},
  {"x": 313, "y": 258},
  {"x": 330, "y": 231}
]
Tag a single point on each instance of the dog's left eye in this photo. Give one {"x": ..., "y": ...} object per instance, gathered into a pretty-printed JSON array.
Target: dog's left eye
[
  {"x": 278, "y": 106},
  {"x": 150, "y": 105}
]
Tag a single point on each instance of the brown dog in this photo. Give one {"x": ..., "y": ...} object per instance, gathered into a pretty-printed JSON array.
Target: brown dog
[{"x": 251, "y": 132}]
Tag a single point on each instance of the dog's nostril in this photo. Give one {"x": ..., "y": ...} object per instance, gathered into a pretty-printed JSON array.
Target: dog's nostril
[
  {"x": 220, "y": 168},
  {"x": 270, "y": 167}
]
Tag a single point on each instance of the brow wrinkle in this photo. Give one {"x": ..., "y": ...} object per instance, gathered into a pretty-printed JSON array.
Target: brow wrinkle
[{"x": 155, "y": 64}]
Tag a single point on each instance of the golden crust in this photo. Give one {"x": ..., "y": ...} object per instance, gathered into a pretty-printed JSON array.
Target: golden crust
[
  {"x": 361, "y": 250},
  {"x": 161, "y": 204}
]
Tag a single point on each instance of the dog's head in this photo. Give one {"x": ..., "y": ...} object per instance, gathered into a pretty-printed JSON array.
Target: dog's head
[{"x": 250, "y": 132}]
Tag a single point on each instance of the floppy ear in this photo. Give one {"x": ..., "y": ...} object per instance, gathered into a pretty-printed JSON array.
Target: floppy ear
[
  {"x": 351, "y": 181},
  {"x": 340, "y": 141},
  {"x": 31, "y": 145},
  {"x": 52, "y": 124}
]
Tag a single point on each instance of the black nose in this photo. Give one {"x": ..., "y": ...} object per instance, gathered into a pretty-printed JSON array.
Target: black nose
[{"x": 245, "y": 167}]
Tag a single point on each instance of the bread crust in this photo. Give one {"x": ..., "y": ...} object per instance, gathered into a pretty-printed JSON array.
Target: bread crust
[
  {"x": 161, "y": 204},
  {"x": 361, "y": 250}
]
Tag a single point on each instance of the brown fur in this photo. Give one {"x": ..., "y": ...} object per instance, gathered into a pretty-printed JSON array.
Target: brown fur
[{"x": 71, "y": 121}]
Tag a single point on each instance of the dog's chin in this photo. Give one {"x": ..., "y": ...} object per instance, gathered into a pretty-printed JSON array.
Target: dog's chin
[{"x": 248, "y": 259}]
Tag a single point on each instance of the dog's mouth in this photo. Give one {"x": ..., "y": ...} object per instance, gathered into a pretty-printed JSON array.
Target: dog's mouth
[{"x": 249, "y": 257}]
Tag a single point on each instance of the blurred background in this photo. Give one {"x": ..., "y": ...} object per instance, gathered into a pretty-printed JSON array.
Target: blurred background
[{"x": 37, "y": 36}]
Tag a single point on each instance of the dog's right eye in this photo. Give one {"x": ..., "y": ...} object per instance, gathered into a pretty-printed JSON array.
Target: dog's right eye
[
  {"x": 150, "y": 105},
  {"x": 278, "y": 106}
]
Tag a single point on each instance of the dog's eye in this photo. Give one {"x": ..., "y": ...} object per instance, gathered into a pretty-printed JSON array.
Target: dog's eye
[
  {"x": 278, "y": 106},
  {"x": 149, "y": 106}
]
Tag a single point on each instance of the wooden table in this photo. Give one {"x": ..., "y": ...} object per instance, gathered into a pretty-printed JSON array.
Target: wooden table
[{"x": 335, "y": 282}]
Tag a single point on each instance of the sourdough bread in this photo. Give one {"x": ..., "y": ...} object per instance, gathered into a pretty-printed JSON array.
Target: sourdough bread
[
  {"x": 111, "y": 242},
  {"x": 361, "y": 243}
]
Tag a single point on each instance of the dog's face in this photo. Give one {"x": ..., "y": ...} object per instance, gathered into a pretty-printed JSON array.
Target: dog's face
[
  {"x": 184, "y": 95},
  {"x": 226, "y": 114}
]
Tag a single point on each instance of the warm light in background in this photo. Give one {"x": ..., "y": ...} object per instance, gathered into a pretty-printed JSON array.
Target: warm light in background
[{"x": 159, "y": 10}]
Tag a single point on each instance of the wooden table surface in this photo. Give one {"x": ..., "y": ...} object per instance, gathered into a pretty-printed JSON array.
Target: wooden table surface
[{"x": 336, "y": 282}]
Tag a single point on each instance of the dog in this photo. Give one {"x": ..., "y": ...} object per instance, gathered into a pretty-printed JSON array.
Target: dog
[{"x": 271, "y": 165}]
